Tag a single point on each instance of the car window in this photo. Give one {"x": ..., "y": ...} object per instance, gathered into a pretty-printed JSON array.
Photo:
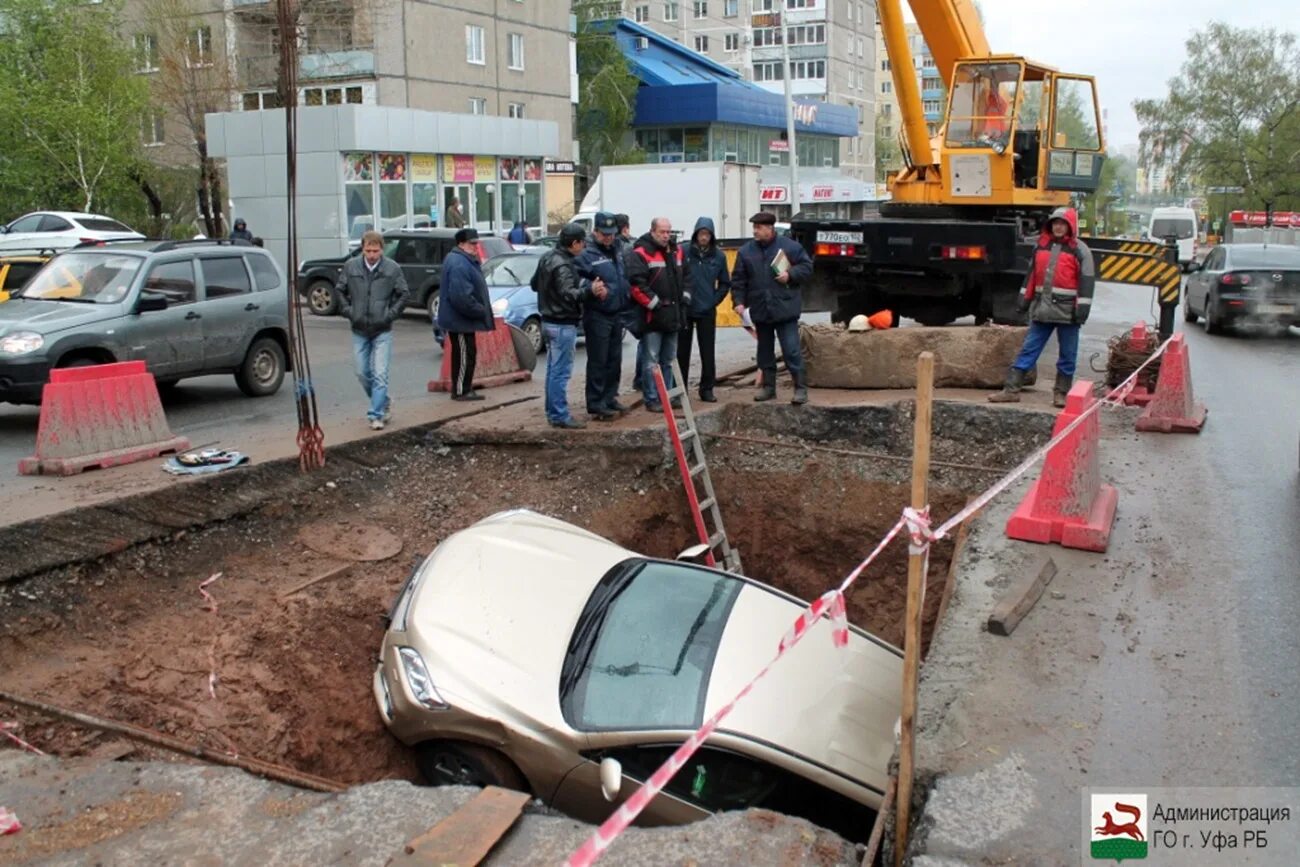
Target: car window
[
  {"x": 510, "y": 270},
  {"x": 27, "y": 224},
  {"x": 87, "y": 278},
  {"x": 1181, "y": 228},
  {"x": 19, "y": 274},
  {"x": 409, "y": 251},
  {"x": 51, "y": 223},
  {"x": 225, "y": 277},
  {"x": 718, "y": 779},
  {"x": 264, "y": 273},
  {"x": 493, "y": 247},
  {"x": 1214, "y": 262},
  {"x": 642, "y": 653},
  {"x": 1270, "y": 257},
  {"x": 103, "y": 224},
  {"x": 174, "y": 281}
]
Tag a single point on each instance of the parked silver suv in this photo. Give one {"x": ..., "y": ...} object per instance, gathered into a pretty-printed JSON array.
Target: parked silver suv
[{"x": 185, "y": 308}]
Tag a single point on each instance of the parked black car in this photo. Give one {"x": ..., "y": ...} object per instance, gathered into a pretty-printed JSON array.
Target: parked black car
[
  {"x": 1244, "y": 283},
  {"x": 419, "y": 252}
]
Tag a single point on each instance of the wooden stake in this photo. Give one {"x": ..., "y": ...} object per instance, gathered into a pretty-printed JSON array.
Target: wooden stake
[
  {"x": 878, "y": 829},
  {"x": 916, "y": 565}
]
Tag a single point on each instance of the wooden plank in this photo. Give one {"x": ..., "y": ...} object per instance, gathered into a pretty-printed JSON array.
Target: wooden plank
[
  {"x": 466, "y": 836},
  {"x": 1021, "y": 597},
  {"x": 332, "y": 573}
]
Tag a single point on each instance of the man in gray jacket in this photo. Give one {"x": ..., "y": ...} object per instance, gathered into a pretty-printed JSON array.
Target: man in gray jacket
[{"x": 372, "y": 292}]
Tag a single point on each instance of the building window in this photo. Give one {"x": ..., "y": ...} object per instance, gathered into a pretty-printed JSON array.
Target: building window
[
  {"x": 516, "y": 52},
  {"x": 762, "y": 5},
  {"x": 670, "y": 11},
  {"x": 333, "y": 96},
  {"x": 198, "y": 46},
  {"x": 888, "y": 109},
  {"x": 146, "y": 52},
  {"x": 884, "y": 65},
  {"x": 931, "y": 106},
  {"x": 701, "y": 9},
  {"x": 151, "y": 129},
  {"x": 800, "y": 4},
  {"x": 931, "y": 83},
  {"x": 516, "y": 109},
  {"x": 477, "y": 105},
  {"x": 799, "y": 70},
  {"x": 886, "y": 87},
  {"x": 475, "y": 51},
  {"x": 702, "y": 44},
  {"x": 641, "y": 14},
  {"x": 730, "y": 8},
  {"x": 731, "y": 42}
]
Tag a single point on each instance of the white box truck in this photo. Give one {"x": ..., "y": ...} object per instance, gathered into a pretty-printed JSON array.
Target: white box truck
[{"x": 682, "y": 192}]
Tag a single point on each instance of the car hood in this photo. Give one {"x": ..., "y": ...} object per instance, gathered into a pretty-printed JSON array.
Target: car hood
[
  {"x": 507, "y": 292},
  {"x": 495, "y": 607},
  {"x": 834, "y": 706},
  {"x": 46, "y": 317}
]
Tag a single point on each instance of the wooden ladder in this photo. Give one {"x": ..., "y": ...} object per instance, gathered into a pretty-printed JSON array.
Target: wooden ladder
[{"x": 695, "y": 471}]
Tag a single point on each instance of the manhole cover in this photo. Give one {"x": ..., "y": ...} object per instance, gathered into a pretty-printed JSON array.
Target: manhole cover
[{"x": 345, "y": 540}]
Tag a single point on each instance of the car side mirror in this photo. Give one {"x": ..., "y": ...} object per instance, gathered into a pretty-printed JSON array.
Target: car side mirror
[
  {"x": 693, "y": 553},
  {"x": 611, "y": 777},
  {"x": 149, "y": 302}
]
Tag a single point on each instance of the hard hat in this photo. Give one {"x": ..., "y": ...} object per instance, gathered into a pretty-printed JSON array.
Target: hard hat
[
  {"x": 882, "y": 319},
  {"x": 859, "y": 323}
]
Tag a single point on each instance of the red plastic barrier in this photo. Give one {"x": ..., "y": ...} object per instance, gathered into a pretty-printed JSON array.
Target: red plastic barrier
[
  {"x": 99, "y": 416},
  {"x": 1174, "y": 409},
  {"x": 1069, "y": 504},
  {"x": 497, "y": 362}
]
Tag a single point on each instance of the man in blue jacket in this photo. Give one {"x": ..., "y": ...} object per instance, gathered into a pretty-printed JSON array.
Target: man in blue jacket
[
  {"x": 707, "y": 283},
  {"x": 601, "y": 263},
  {"x": 767, "y": 285},
  {"x": 464, "y": 308}
]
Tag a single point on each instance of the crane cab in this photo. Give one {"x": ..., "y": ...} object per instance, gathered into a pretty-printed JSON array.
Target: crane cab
[{"x": 1019, "y": 134}]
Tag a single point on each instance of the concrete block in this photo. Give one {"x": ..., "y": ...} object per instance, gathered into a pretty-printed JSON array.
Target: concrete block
[{"x": 965, "y": 357}]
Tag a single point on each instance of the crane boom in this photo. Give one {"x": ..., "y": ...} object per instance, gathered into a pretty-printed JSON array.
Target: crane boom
[{"x": 953, "y": 32}]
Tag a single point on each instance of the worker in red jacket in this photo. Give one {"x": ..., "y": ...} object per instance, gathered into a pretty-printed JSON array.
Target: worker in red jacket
[{"x": 1057, "y": 293}]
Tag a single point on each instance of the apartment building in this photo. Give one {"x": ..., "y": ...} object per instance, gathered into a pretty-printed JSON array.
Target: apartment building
[
  {"x": 933, "y": 94},
  {"x": 508, "y": 58},
  {"x": 832, "y": 51}
]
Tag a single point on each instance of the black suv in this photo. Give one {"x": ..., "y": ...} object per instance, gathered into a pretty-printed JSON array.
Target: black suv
[{"x": 419, "y": 252}]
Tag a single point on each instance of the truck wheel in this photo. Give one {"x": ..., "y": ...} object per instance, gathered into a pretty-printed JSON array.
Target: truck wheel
[
  {"x": 321, "y": 299},
  {"x": 263, "y": 369}
]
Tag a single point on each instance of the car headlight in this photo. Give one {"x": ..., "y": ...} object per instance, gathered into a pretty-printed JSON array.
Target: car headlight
[
  {"x": 501, "y": 305},
  {"x": 417, "y": 678},
  {"x": 21, "y": 342}
]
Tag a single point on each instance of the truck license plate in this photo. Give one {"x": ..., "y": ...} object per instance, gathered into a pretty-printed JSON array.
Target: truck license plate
[
  {"x": 1275, "y": 309},
  {"x": 839, "y": 237}
]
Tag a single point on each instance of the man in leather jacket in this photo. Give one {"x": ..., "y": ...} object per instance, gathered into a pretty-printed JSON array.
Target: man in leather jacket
[{"x": 560, "y": 298}]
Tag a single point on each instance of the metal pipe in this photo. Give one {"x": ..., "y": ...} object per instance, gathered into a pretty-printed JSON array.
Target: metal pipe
[{"x": 279, "y": 773}]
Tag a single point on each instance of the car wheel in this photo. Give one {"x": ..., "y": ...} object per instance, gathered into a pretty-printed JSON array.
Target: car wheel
[
  {"x": 1213, "y": 321},
  {"x": 321, "y": 299},
  {"x": 533, "y": 329},
  {"x": 1189, "y": 315},
  {"x": 263, "y": 368},
  {"x": 432, "y": 305},
  {"x": 444, "y": 763}
]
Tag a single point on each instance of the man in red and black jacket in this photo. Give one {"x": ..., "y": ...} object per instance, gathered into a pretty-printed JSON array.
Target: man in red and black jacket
[
  {"x": 1057, "y": 293},
  {"x": 654, "y": 271}
]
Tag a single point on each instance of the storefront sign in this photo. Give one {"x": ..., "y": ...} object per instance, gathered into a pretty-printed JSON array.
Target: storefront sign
[
  {"x": 532, "y": 170},
  {"x": 424, "y": 168},
  {"x": 358, "y": 167},
  {"x": 485, "y": 168},
  {"x": 509, "y": 169},
  {"x": 559, "y": 167},
  {"x": 773, "y": 195},
  {"x": 392, "y": 167},
  {"x": 823, "y": 193},
  {"x": 462, "y": 169},
  {"x": 779, "y": 146}
]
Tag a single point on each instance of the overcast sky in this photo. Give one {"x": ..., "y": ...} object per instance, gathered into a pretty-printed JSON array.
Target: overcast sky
[{"x": 1133, "y": 47}]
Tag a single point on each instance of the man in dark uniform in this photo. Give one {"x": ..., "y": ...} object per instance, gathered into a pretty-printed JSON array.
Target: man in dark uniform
[{"x": 601, "y": 263}]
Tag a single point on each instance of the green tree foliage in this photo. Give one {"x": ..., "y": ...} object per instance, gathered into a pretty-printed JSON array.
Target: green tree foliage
[
  {"x": 1232, "y": 115},
  {"x": 888, "y": 155},
  {"x": 606, "y": 96},
  {"x": 71, "y": 108}
]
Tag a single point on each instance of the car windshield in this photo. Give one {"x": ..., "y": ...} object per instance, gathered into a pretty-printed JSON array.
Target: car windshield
[
  {"x": 643, "y": 650},
  {"x": 88, "y": 278},
  {"x": 1267, "y": 257},
  {"x": 1182, "y": 229},
  {"x": 510, "y": 270}
]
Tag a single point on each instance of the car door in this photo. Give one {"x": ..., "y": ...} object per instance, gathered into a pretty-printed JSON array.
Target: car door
[
  {"x": 228, "y": 308},
  {"x": 169, "y": 341},
  {"x": 1209, "y": 275},
  {"x": 57, "y": 232},
  {"x": 23, "y": 233},
  {"x": 409, "y": 254},
  {"x": 639, "y": 753}
]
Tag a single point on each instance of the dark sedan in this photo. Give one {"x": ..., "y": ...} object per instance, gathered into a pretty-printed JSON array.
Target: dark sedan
[{"x": 1245, "y": 283}]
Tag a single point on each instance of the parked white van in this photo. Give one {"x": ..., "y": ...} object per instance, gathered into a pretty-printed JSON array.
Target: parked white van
[{"x": 1181, "y": 223}]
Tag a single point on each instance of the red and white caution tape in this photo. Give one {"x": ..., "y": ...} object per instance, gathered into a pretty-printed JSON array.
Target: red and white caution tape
[
  {"x": 831, "y": 604},
  {"x": 212, "y": 648},
  {"x": 5, "y": 729},
  {"x": 9, "y": 823}
]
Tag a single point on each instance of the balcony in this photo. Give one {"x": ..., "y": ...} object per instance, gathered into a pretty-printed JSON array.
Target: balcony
[{"x": 261, "y": 70}]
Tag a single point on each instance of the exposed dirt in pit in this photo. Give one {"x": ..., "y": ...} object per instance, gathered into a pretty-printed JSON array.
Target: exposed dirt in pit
[{"x": 131, "y": 638}]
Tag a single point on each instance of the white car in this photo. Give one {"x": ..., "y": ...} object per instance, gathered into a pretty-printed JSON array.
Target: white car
[{"x": 62, "y": 230}]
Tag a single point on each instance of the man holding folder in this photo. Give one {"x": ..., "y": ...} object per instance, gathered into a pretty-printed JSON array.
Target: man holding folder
[{"x": 765, "y": 284}]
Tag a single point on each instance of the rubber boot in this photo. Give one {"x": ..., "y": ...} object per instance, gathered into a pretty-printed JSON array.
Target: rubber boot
[
  {"x": 1061, "y": 390},
  {"x": 1010, "y": 392},
  {"x": 768, "y": 390},
  {"x": 800, "y": 390}
]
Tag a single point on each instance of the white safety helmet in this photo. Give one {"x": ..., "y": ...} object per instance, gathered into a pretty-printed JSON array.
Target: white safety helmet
[{"x": 859, "y": 323}]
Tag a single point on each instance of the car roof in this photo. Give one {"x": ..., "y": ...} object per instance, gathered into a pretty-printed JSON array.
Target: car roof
[
  {"x": 73, "y": 215},
  {"x": 158, "y": 245},
  {"x": 421, "y": 233}
]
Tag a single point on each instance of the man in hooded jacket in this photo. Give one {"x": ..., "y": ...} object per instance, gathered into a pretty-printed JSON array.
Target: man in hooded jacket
[
  {"x": 654, "y": 272},
  {"x": 707, "y": 283},
  {"x": 1057, "y": 293}
]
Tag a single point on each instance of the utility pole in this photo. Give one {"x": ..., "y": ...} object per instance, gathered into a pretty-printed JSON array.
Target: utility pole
[{"x": 789, "y": 117}]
